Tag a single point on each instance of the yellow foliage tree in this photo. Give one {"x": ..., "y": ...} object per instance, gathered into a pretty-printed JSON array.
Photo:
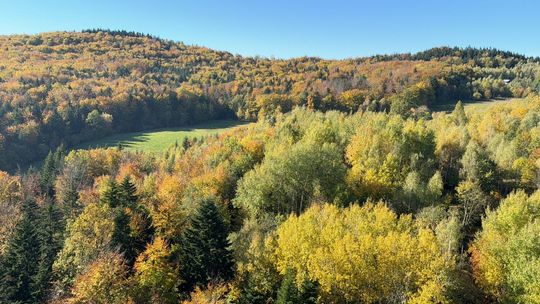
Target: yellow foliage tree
[
  {"x": 103, "y": 282},
  {"x": 506, "y": 253},
  {"x": 213, "y": 294},
  {"x": 384, "y": 150},
  {"x": 87, "y": 237},
  {"x": 10, "y": 196},
  {"x": 366, "y": 254},
  {"x": 156, "y": 276}
]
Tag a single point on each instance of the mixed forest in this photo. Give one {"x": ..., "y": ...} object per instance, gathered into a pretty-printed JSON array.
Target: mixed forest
[{"x": 349, "y": 187}]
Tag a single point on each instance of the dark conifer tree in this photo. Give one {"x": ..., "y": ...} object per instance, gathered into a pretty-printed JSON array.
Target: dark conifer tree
[
  {"x": 124, "y": 200},
  {"x": 71, "y": 208},
  {"x": 127, "y": 196},
  {"x": 204, "y": 250},
  {"x": 59, "y": 154},
  {"x": 288, "y": 292},
  {"x": 48, "y": 174},
  {"x": 308, "y": 292},
  {"x": 143, "y": 232},
  {"x": 121, "y": 238},
  {"x": 50, "y": 169},
  {"x": 20, "y": 263},
  {"x": 110, "y": 194},
  {"x": 51, "y": 226},
  {"x": 185, "y": 143},
  {"x": 250, "y": 293},
  {"x": 170, "y": 163}
]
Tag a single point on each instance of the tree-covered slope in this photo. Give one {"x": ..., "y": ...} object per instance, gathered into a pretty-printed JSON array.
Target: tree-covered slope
[
  {"x": 310, "y": 208},
  {"x": 73, "y": 86}
]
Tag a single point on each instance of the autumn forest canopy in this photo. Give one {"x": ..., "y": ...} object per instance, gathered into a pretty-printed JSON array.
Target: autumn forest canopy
[{"x": 363, "y": 180}]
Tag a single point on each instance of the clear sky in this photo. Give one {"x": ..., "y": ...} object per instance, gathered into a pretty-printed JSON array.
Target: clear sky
[{"x": 281, "y": 28}]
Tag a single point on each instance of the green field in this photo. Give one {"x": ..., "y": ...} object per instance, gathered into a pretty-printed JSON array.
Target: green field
[
  {"x": 476, "y": 105},
  {"x": 481, "y": 106},
  {"x": 160, "y": 139}
]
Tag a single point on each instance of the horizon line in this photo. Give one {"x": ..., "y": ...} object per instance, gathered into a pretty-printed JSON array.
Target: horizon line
[{"x": 271, "y": 57}]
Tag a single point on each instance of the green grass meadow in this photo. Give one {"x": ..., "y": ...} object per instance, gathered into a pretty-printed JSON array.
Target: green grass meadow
[
  {"x": 159, "y": 140},
  {"x": 482, "y": 106},
  {"x": 476, "y": 106}
]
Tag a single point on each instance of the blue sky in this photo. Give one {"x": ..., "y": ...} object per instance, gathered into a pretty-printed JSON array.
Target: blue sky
[{"x": 279, "y": 28}]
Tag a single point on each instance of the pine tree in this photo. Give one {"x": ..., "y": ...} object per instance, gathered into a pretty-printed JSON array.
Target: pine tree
[
  {"x": 185, "y": 143},
  {"x": 110, "y": 194},
  {"x": 51, "y": 226},
  {"x": 251, "y": 294},
  {"x": 50, "y": 169},
  {"x": 59, "y": 154},
  {"x": 126, "y": 193},
  {"x": 19, "y": 265},
  {"x": 48, "y": 174},
  {"x": 170, "y": 163},
  {"x": 142, "y": 231},
  {"x": 308, "y": 292},
  {"x": 120, "y": 197},
  {"x": 121, "y": 237},
  {"x": 204, "y": 249},
  {"x": 71, "y": 207},
  {"x": 288, "y": 292}
]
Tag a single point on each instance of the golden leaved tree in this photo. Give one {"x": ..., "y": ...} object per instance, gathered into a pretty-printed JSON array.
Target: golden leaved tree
[{"x": 366, "y": 254}]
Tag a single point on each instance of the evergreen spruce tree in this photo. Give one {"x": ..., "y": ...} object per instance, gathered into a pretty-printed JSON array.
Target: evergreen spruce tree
[
  {"x": 121, "y": 238},
  {"x": 185, "y": 143},
  {"x": 308, "y": 292},
  {"x": 204, "y": 249},
  {"x": 170, "y": 163},
  {"x": 51, "y": 226},
  {"x": 59, "y": 154},
  {"x": 50, "y": 169},
  {"x": 110, "y": 194},
  {"x": 127, "y": 193},
  {"x": 124, "y": 200},
  {"x": 118, "y": 197},
  {"x": 19, "y": 265},
  {"x": 71, "y": 207},
  {"x": 48, "y": 175},
  {"x": 288, "y": 292},
  {"x": 143, "y": 232},
  {"x": 250, "y": 294}
]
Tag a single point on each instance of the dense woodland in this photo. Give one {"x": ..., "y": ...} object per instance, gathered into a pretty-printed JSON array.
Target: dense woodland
[
  {"x": 348, "y": 189},
  {"x": 66, "y": 88}
]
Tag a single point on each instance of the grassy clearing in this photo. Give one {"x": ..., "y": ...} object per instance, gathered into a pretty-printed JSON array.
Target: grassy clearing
[
  {"x": 476, "y": 106},
  {"x": 159, "y": 140},
  {"x": 483, "y": 106}
]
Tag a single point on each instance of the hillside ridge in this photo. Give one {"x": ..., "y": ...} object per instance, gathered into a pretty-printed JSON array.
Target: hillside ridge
[{"x": 70, "y": 87}]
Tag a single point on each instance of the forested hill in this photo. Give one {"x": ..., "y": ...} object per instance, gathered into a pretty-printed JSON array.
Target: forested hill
[
  {"x": 465, "y": 55},
  {"x": 68, "y": 87},
  {"x": 359, "y": 194}
]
